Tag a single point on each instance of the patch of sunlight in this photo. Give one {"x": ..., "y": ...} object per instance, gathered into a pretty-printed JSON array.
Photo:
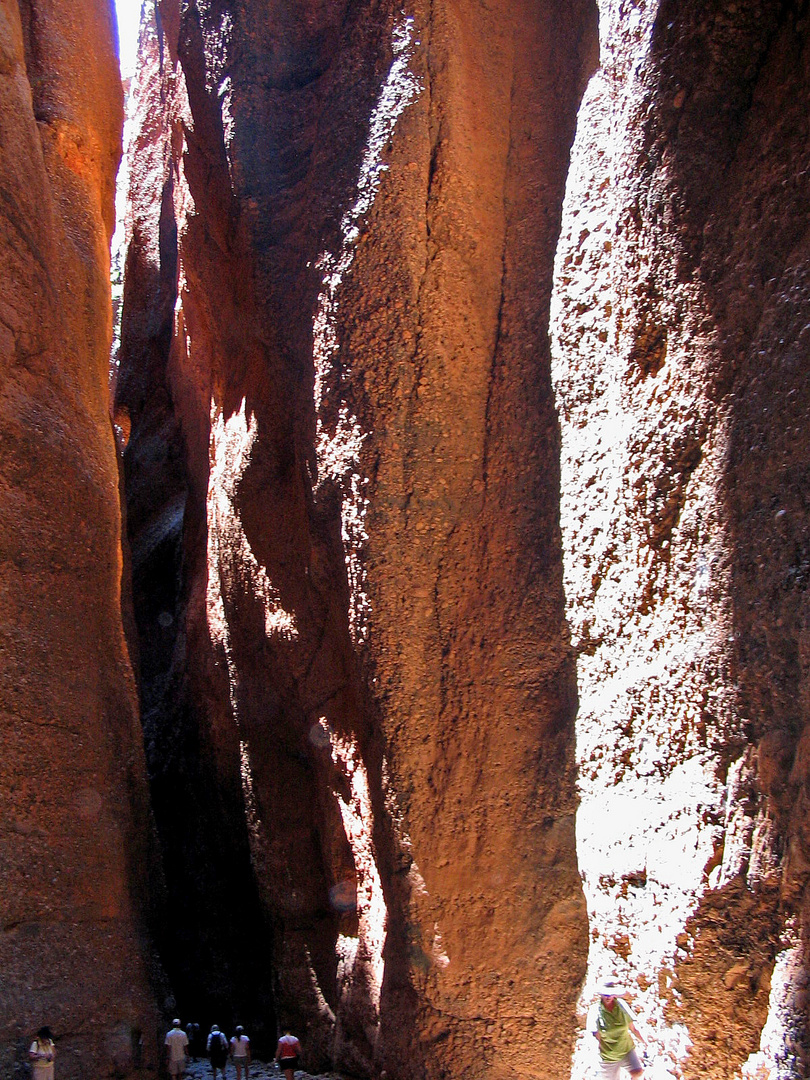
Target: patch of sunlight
[
  {"x": 339, "y": 441},
  {"x": 254, "y": 822},
  {"x": 128, "y": 14},
  {"x": 650, "y": 792},
  {"x": 778, "y": 1057},
  {"x": 128, "y": 17},
  {"x": 231, "y": 564},
  {"x": 358, "y": 824},
  {"x": 230, "y": 558},
  {"x": 422, "y": 910},
  {"x": 324, "y": 1009}
]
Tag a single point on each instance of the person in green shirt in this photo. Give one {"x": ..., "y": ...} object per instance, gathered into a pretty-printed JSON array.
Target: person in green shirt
[{"x": 613, "y": 1025}]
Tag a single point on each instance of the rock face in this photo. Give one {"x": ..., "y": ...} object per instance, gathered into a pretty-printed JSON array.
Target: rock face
[
  {"x": 365, "y": 500},
  {"x": 74, "y": 821},
  {"x": 681, "y": 327},
  {"x": 342, "y": 502}
]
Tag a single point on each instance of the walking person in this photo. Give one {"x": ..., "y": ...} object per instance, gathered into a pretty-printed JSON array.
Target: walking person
[
  {"x": 613, "y": 1025},
  {"x": 176, "y": 1043},
  {"x": 193, "y": 1032},
  {"x": 287, "y": 1053},
  {"x": 217, "y": 1047},
  {"x": 41, "y": 1055},
  {"x": 240, "y": 1052}
]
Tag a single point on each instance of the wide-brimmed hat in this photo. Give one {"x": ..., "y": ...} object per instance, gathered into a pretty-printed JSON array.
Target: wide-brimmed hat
[{"x": 610, "y": 988}]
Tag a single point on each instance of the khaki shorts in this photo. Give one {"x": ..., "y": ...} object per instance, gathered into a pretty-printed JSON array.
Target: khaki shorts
[{"x": 611, "y": 1069}]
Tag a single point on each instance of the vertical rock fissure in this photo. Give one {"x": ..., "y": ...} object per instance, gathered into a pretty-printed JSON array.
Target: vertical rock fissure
[{"x": 499, "y": 317}]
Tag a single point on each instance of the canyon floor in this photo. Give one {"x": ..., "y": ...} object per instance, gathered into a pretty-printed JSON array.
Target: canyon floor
[{"x": 259, "y": 1070}]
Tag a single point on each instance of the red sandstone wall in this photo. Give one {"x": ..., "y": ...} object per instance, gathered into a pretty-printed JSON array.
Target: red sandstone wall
[
  {"x": 680, "y": 366},
  {"x": 74, "y": 824},
  {"x": 342, "y": 497}
]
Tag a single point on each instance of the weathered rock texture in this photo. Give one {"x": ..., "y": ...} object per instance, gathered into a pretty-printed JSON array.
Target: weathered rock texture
[
  {"x": 342, "y": 499},
  {"x": 682, "y": 322},
  {"x": 74, "y": 823}
]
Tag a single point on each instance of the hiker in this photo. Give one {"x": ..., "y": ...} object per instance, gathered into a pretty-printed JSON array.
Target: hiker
[
  {"x": 287, "y": 1053},
  {"x": 217, "y": 1047},
  {"x": 613, "y": 1024},
  {"x": 41, "y": 1055},
  {"x": 193, "y": 1032},
  {"x": 240, "y": 1052},
  {"x": 176, "y": 1043}
]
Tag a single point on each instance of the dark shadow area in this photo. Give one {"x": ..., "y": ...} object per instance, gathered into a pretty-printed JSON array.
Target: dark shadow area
[{"x": 213, "y": 935}]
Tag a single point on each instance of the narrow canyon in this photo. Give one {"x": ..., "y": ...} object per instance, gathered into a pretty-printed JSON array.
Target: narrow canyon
[{"x": 405, "y": 616}]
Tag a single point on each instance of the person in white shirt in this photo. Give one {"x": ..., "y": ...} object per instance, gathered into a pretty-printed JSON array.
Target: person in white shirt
[
  {"x": 41, "y": 1055},
  {"x": 240, "y": 1052},
  {"x": 176, "y": 1043}
]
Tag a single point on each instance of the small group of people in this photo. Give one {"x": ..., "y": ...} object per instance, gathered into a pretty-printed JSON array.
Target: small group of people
[
  {"x": 610, "y": 1021},
  {"x": 613, "y": 1024},
  {"x": 221, "y": 1049}
]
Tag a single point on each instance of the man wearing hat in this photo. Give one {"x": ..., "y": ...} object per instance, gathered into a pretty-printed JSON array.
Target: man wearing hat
[
  {"x": 217, "y": 1047},
  {"x": 613, "y": 1025},
  {"x": 176, "y": 1043}
]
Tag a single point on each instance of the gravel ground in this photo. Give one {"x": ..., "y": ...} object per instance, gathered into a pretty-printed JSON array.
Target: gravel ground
[{"x": 259, "y": 1070}]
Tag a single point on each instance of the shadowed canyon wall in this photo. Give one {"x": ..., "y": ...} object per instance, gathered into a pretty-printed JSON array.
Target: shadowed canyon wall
[
  {"x": 74, "y": 821},
  {"x": 681, "y": 322},
  {"x": 342, "y": 473}
]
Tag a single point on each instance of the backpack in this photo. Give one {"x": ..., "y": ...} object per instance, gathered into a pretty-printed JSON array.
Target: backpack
[{"x": 218, "y": 1049}]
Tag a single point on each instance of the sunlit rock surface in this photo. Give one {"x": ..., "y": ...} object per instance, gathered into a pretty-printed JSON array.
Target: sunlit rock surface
[
  {"x": 681, "y": 323},
  {"x": 342, "y": 501},
  {"x": 74, "y": 823}
]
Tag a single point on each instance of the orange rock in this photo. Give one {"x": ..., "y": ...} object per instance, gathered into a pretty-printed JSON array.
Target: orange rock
[{"x": 73, "y": 891}]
